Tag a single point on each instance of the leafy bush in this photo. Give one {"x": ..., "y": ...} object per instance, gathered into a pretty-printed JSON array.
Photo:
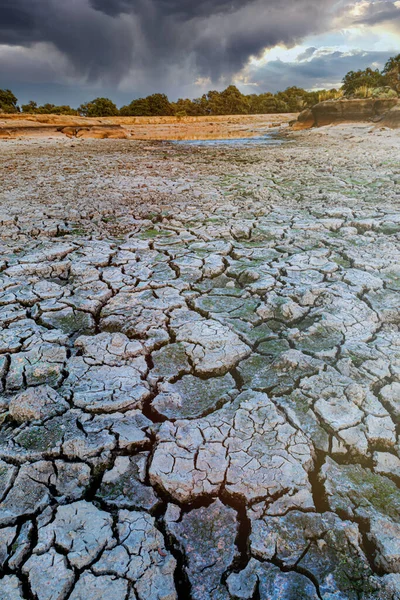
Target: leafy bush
[
  {"x": 355, "y": 80},
  {"x": 100, "y": 107},
  {"x": 325, "y": 95},
  {"x": 391, "y": 72},
  {"x": 47, "y": 109},
  {"x": 364, "y": 91},
  {"x": 8, "y": 102},
  {"x": 381, "y": 92},
  {"x": 154, "y": 105}
]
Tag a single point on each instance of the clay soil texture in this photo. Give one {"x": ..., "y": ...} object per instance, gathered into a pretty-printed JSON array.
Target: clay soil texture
[{"x": 200, "y": 368}]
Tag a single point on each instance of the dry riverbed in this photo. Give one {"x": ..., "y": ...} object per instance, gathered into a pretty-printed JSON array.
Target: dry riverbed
[{"x": 200, "y": 368}]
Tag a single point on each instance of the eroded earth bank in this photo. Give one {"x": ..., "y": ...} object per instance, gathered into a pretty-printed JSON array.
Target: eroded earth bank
[{"x": 200, "y": 369}]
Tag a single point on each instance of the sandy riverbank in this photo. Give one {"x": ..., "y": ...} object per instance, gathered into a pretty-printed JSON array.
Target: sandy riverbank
[{"x": 140, "y": 128}]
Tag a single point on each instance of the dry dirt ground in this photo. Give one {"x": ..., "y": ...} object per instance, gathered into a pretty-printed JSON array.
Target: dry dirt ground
[{"x": 200, "y": 369}]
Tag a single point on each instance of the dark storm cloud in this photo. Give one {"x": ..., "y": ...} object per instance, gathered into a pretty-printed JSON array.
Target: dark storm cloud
[
  {"x": 94, "y": 43},
  {"x": 184, "y": 9},
  {"x": 16, "y": 23},
  {"x": 106, "y": 39},
  {"x": 219, "y": 35}
]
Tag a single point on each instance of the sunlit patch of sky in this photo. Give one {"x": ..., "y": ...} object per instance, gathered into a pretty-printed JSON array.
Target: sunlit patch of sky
[{"x": 352, "y": 45}]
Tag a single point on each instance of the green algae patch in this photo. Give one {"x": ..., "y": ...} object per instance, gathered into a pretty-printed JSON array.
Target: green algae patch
[
  {"x": 341, "y": 262},
  {"x": 41, "y": 439},
  {"x": 231, "y": 306},
  {"x": 375, "y": 490},
  {"x": 318, "y": 338},
  {"x": 153, "y": 233},
  {"x": 273, "y": 347},
  {"x": 192, "y": 397},
  {"x": 355, "y": 490},
  {"x": 170, "y": 361}
]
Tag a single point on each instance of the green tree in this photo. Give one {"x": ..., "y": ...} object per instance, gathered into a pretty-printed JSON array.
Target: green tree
[
  {"x": 31, "y": 107},
  {"x": 8, "y": 102},
  {"x": 370, "y": 78},
  {"x": 297, "y": 99},
  {"x": 65, "y": 109},
  {"x": 47, "y": 109},
  {"x": 137, "y": 108},
  {"x": 100, "y": 107},
  {"x": 234, "y": 102},
  {"x": 260, "y": 104},
  {"x": 213, "y": 103},
  {"x": 391, "y": 72},
  {"x": 58, "y": 110},
  {"x": 156, "y": 105},
  {"x": 191, "y": 108},
  {"x": 201, "y": 105},
  {"x": 159, "y": 105}
]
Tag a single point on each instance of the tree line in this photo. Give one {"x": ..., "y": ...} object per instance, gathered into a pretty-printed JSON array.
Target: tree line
[{"x": 228, "y": 102}]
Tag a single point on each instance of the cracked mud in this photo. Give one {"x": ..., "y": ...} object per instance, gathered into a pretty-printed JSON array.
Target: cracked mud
[{"x": 200, "y": 369}]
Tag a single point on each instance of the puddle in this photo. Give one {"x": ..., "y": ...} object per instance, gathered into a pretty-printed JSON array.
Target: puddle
[{"x": 267, "y": 140}]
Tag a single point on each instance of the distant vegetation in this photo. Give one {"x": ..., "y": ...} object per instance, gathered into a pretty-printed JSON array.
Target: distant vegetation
[
  {"x": 372, "y": 82},
  {"x": 356, "y": 79},
  {"x": 47, "y": 109},
  {"x": 100, "y": 107},
  {"x": 356, "y": 84},
  {"x": 229, "y": 102},
  {"x": 8, "y": 102}
]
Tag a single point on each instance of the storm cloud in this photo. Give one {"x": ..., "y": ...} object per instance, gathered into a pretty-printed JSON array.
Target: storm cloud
[
  {"x": 105, "y": 39},
  {"x": 94, "y": 43},
  {"x": 142, "y": 46}
]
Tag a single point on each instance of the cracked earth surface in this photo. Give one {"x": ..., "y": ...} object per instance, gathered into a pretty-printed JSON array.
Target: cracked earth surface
[{"x": 200, "y": 369}]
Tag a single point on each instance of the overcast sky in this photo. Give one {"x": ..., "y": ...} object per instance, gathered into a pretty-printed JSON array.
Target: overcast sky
[{"x": 69, "y": 51}]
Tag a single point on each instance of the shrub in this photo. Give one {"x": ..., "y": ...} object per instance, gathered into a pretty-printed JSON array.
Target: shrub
[
  {"x": 325, "y": 95},
  {"x": 8, "y": 102},
  {"x": 369, "y": 78},
  {"x": 100, "y": 107}
]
